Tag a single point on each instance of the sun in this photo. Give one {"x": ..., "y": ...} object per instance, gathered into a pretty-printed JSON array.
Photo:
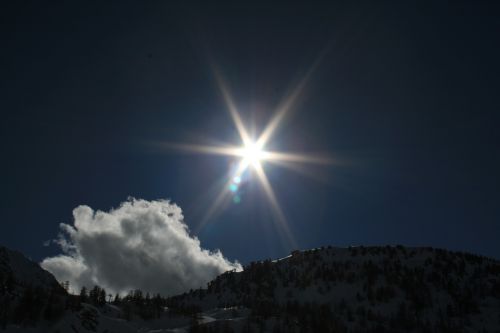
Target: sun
[{"x": 252, "y": 154}]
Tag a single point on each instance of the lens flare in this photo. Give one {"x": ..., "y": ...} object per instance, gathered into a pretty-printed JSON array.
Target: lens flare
[{"x": 233, "y": 187}]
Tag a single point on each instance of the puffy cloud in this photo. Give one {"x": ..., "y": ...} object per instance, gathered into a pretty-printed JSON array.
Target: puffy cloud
[{"x": 140, "y": 245}]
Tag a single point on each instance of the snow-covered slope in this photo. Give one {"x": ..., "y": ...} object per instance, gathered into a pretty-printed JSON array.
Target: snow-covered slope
[
  {"x": 356, "y": 289},
  {"x": 362, "y": 289}
]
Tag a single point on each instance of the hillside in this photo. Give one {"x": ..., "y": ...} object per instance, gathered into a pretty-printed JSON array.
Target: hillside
[
  {"x": 27, "y": 292},
  {"x": 358, "y": 289},
  {"x": 22, "y": 272}
]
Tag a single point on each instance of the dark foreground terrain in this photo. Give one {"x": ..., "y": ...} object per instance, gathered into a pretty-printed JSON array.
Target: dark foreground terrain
[{"x": 356, "y": 289}]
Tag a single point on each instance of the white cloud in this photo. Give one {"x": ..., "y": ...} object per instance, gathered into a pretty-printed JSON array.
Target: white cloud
[{"x": 140, "y": 245}]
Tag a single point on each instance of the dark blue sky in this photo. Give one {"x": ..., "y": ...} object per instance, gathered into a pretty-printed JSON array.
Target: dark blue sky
[{"x": 407, "y": 94}]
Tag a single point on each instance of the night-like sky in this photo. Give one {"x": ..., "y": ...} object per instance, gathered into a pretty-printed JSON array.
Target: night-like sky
[{"x": 403, "y": 96}]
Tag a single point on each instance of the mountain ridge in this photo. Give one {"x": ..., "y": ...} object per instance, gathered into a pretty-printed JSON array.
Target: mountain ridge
[
  {"x": 26, "y": 272},
  {"x": 362, "y": 288},
  {"x": 327, "y": 289}
]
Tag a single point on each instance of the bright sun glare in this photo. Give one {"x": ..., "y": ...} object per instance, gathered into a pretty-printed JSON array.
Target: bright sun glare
[{"x": 252, "y": 154}]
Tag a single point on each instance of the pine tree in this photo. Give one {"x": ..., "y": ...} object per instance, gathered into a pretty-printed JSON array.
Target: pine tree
[
  {"x": 83, "y": 295},
  {"x": 101, "y": 298}
]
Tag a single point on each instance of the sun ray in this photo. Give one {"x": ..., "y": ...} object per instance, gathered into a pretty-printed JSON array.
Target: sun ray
[
  {"x": 288, "y": 103},
  {"x": 223, "y": 196},
  {"x": 275, "y": 205},
  {"x": 241, "y": 167},
  {"x": 211, "y": 150},
  {"x": 245, "y": 137},
  {"x": 303, "y": 170},
  {"x": 220, "y": 201},
  {"x": 280, "y": 114},
  {"x": 299, "y": 158}
]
